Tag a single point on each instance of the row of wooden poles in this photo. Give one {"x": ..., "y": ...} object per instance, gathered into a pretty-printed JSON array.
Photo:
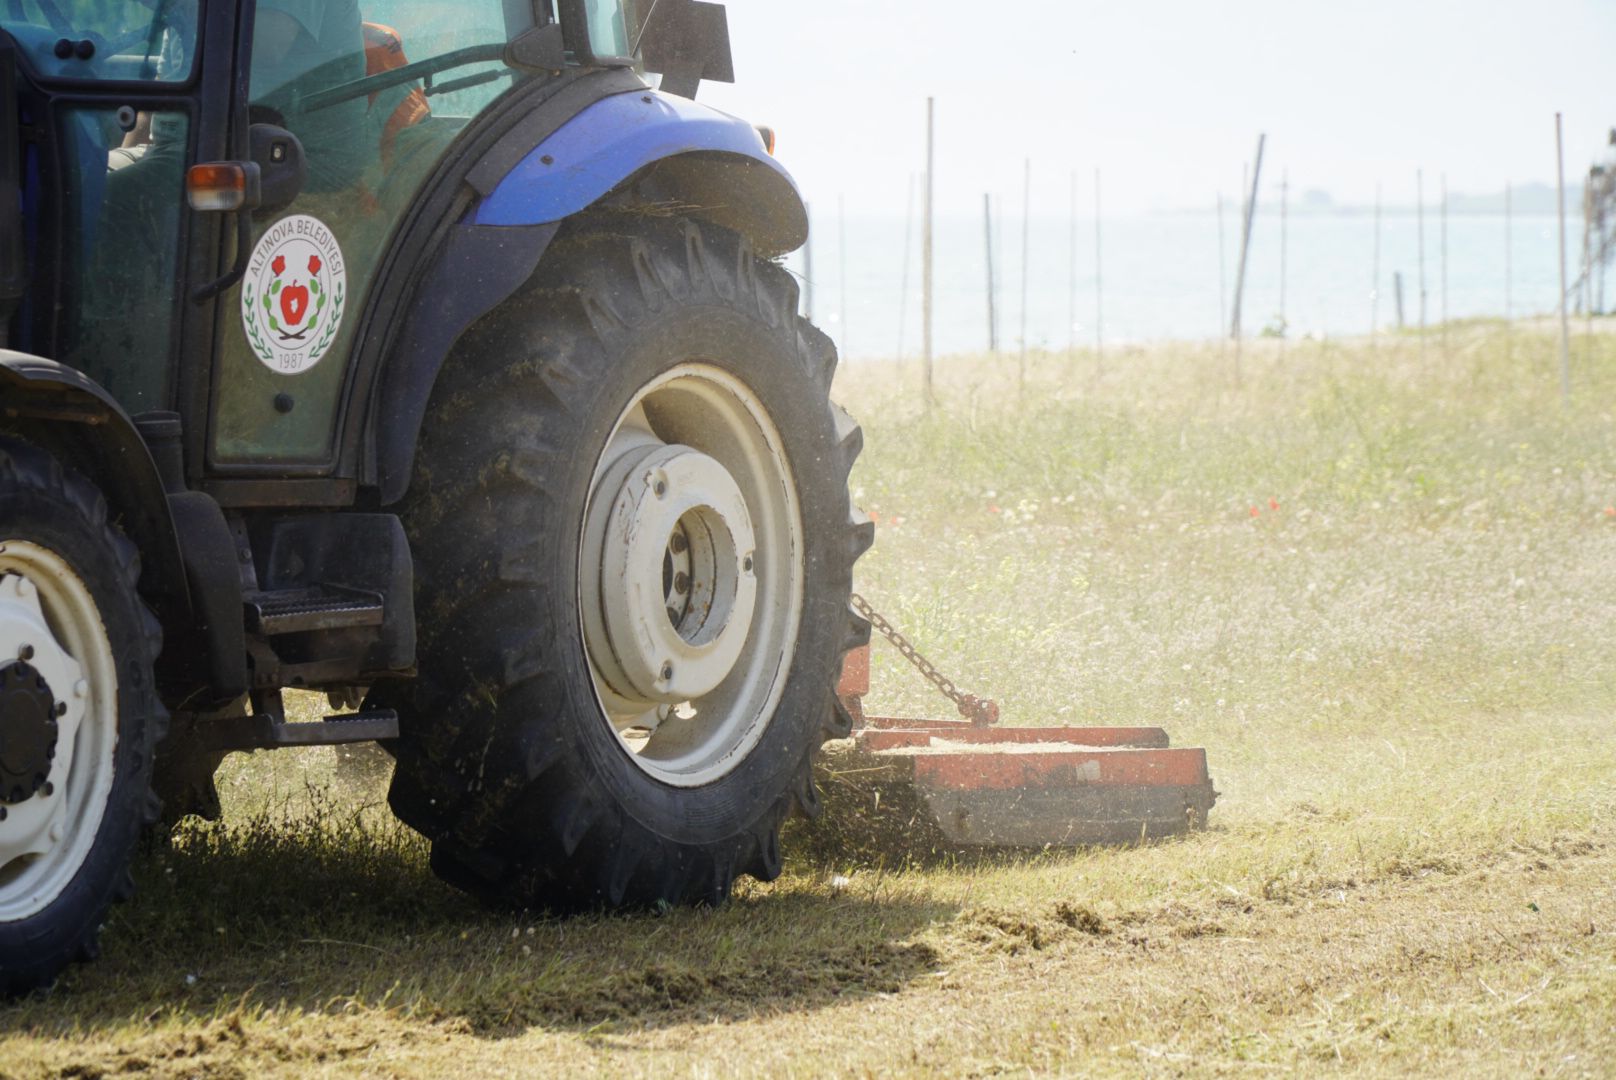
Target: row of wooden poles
[{"x": 1592, "y": 210}]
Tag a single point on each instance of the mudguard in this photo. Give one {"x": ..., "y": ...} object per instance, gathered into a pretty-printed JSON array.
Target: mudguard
[
  {"x": 654, "y": 147},
  {"x": 618, "y": 136},
  {"x": 72, "y": 415}
]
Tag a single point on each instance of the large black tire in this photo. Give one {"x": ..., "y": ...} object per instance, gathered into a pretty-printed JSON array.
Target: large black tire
[
  {"x": 506, "y": 760},
  {"x": 46, "y": 509}
]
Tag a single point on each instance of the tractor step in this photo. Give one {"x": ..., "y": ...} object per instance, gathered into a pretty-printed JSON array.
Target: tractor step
[
  {"x": 297, "y": 611},
  {"x": 265, "y": 732}
]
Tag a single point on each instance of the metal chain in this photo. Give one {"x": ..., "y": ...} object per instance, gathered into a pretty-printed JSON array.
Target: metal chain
[{"x": 981, "y": 712}]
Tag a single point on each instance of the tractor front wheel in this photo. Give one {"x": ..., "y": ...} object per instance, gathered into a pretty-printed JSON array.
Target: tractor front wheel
[
  {"x": 634, "y": 551},
  {"x": 79, "y": 715}
]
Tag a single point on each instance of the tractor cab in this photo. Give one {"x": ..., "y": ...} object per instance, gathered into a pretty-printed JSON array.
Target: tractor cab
[{"x": 341, "y": 109}]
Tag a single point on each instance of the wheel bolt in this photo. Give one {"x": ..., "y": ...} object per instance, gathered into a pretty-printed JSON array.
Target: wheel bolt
[
  {"x": 47, "y": 790},
  {"x": 681, "y": 583},
  {"x": 660, "y": 487},
  {"x": 667, "y": 672},
  {"x": 25, "y": 653},
  {"x": 678, "y": 544},
  {"x": 746, "y": 564},
  {"x": 61, "y": 708}
]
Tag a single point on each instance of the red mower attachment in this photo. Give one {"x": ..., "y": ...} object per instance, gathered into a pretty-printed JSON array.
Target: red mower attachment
[{"x": 982, "y": 785}]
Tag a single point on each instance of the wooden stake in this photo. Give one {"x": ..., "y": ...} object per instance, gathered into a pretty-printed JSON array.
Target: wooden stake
[
  {"x": 1026, "y": 244},
  {"x": 1223, "y": 275},
  {"x": 1245, "y": 253},
  {"x": 1071, "y": 279},
  {"x": 1419, "y": 217},
  {"x": 1099, "y": 287},
  {"x": 1444, "y": 272},
  {"x": 1565, "y": 318},
  {"x": 841, "y": 274},
  {"x": 1588, "y": 263},
  {"x": 1284, "y": 199},
  {"x": 987, "y": 227},
  {"x": 927, "y": 245},
  {"x": 1509, "y": 272},
  {"x": 908, "y": 244},
  {"x": 1374, "y": 278}
]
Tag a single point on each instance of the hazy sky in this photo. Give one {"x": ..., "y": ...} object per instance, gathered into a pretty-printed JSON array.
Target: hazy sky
[{"x": 1168, "y": 96}]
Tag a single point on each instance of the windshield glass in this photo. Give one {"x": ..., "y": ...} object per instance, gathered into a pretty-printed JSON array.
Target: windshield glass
[{"x": 135, "y": 40}]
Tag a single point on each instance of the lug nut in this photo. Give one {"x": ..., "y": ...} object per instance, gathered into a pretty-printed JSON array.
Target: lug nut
[
  {"x": 48, "y": 790},
  {"x": 61, "y": 708},
  {"x": 681, "y": 583},
  {"x": 667, "y": 672},
  {"x": 678, "y": 544},
  {"x": 746, "y": 564},
  {"x": 25, "y": 653},
  {"x": 660, "y": 487}
]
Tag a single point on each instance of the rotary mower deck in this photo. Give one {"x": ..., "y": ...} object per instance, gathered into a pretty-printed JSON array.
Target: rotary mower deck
[{"x": 986, "y": 786}]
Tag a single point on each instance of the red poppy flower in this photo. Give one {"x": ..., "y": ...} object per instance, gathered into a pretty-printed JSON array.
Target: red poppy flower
[
  {"x": 1273, "y": 504},
  {"x": 1255, "y": 512},
  {"x": 279, "y": 265},
  {"x": 314, "y": 264}
]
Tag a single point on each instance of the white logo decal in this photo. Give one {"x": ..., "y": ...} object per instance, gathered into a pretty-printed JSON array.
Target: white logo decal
[{"x": 294, "y": 294}]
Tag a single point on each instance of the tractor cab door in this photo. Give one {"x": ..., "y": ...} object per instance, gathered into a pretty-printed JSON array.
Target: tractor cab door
[
  {"x": 105, "y": 98},
  {"x": 375, "y": 91}
]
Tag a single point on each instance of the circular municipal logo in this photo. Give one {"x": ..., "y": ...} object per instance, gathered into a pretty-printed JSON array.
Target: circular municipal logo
[{"x": 295, "y": 290}]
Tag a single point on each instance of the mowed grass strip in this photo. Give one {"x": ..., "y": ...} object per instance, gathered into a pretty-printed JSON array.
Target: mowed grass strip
[{"x": 1378, "y": 589}]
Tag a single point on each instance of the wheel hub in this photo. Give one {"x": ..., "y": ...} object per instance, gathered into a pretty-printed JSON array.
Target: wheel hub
[
  {"x": 28, "y": 732},
  {"x": 44, "y": 699},
  {"x": 678, "y": 587}
]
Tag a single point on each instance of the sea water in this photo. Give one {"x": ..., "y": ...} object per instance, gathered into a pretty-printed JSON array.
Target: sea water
[{"x": 1162, "y": 279}]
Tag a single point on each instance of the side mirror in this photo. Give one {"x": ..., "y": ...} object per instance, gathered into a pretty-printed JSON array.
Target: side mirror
[{"x": 686, "y": 41}]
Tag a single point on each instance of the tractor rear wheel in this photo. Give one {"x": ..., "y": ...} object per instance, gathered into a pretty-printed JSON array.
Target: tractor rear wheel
[
  {"x": 79, "y": 716},
  {"x": 634, "y": 551}
]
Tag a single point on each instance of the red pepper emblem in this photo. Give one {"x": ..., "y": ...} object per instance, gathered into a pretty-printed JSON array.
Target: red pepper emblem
[{"x": 294, "y": 303}]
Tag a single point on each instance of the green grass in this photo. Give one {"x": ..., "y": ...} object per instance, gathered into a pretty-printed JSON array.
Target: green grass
[{"x": 1400, "y": 666}]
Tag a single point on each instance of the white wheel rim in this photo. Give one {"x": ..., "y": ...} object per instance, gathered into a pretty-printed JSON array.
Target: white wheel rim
[
  {"x": 46, "y": 608},
  {"x": 690, "y": 571}
]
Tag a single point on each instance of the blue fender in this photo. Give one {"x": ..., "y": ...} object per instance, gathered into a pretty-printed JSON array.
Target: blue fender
[{"x": 703, "y": 151}]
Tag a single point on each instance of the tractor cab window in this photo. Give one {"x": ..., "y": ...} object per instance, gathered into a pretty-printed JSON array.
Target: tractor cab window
[{"x": 133, "y": 40}]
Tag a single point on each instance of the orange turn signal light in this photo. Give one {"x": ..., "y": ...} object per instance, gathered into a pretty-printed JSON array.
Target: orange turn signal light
[
  {"x": 767, "y": 135},
  {"x": 221, "y": 185}
]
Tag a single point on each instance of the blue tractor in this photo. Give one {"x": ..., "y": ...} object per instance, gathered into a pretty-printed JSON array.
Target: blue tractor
[{"x": 434, "y": 357}]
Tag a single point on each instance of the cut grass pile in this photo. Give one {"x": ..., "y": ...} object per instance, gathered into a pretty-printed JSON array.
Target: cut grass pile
[{"x": 1379, "y": 590}]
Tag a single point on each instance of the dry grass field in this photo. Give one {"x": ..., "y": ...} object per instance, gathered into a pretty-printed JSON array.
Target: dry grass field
[{"x": 1380, "y": 588}]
